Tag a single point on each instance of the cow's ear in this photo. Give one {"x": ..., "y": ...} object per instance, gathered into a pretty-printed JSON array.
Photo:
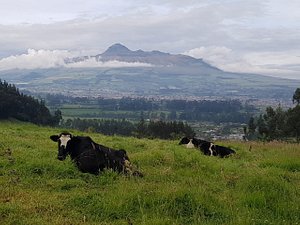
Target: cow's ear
[{"x": 54, "y": 138}]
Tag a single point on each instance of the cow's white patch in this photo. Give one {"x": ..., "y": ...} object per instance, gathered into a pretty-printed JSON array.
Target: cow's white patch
[
  {"x": 64, "y": 140},
  {"x": 210, "y": 149},
  {"x": 190, "y": 144}
]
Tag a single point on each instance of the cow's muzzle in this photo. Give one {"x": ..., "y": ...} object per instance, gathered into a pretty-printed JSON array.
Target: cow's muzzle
[
  {"x": 61, "y": 158},
  {"x": 61, "y": 153}
]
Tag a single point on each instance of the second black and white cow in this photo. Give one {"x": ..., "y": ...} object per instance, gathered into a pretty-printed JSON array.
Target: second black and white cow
[
  {"x": 91, "y": 157},
  {"x": 222, "y": 151},
  {"x": 208, "y": 148}
]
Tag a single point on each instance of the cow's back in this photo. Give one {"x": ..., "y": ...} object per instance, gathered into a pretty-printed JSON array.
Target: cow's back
[
  {"x": 79, "y": 145},
  {"x": 223, "y": 151}
]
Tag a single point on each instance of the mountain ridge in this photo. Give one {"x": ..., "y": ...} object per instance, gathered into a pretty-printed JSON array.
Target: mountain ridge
[{"x": 119, "y": 52}]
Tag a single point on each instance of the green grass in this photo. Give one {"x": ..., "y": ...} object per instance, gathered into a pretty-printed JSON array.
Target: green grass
[{"x": 180, "y": 186}]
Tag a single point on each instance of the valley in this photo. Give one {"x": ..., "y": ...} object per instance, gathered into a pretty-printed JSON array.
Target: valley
[{"x": 120, "y": 73}]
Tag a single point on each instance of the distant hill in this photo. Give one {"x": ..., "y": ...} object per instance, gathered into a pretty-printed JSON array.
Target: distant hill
[{"x": 120, "y": 71}]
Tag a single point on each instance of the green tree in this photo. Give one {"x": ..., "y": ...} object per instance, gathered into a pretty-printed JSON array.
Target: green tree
[
  {"x": 296, "y": 96},
  {"x": 141, "y": 126},
  {"x": 251, "y": 126},
  {"x": 293, "y": 122},
  {"x": 275, "y": 121},
  {"x": 262, "y": 127},
  {"x": 57, "y": 116},
  {"x": 172, "y": 115},
  {"x": 250, "y": 131}
]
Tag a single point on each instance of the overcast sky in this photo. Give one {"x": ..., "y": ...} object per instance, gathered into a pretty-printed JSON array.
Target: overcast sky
[{"x": 260, "y": 36}]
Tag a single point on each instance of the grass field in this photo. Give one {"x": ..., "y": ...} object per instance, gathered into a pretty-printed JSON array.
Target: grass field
[
  {"x": 87, "y": 112},
  {"x": 180, "y": 186},
  {"x": 93, "y": 111}
]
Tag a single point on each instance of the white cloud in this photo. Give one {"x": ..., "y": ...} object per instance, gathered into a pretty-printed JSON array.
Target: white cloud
[
  {"x": 271, "y": 63},
  {"x": 35, "y": 59},
  {"x": 212, "y": 54},
  {"x": 171, "y": 26},
  {"x": 92, "y": 63},
  {"x": 43, "y": 59}
]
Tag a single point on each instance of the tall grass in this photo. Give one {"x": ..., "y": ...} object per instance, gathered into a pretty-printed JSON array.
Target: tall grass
[{"x": 180, "y": 186}]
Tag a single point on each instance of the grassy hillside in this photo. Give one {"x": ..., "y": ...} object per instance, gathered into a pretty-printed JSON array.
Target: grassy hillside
[{"x": 181, "y": 186}]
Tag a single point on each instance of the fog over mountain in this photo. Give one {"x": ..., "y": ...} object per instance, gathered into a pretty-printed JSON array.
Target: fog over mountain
[
  {"x": 116, "y": 55},
  {"x": 46, "y": 59},
  {"x": 120, "y": 53},
  {"x": 119, "y": 71}
]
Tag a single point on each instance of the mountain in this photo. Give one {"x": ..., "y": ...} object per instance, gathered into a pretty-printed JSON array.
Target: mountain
[
  {"x": 118, "y": 49},
  {"x": 120, "y": 71},
  {"x": 119, "y": 52}
]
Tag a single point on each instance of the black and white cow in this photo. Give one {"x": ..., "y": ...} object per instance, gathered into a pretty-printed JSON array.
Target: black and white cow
[
  {"x": 222, "y": 151},
  {"x": 208, "y": 148},
  {"x": 91, "y": 157}
]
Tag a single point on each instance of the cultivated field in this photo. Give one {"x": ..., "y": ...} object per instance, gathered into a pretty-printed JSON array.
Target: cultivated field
[{"x": 260, "y": 185}]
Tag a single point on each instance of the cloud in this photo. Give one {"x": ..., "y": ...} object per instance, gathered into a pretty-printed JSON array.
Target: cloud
[
  {"x": 172, "y": 27},
  {"x": 44, "y": 59},
  {"x": 92, "y": 63},
  {"x": 34, "y": 59},
  {"x": 272, "y": 63},
  {"x": 212, "y": 54}
]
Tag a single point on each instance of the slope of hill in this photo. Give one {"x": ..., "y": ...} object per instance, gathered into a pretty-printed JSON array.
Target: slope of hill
[
  {"x": 181, "y": 186},
  {"x": 122, "y": 72},
  {"x": 15, "y": 105}
]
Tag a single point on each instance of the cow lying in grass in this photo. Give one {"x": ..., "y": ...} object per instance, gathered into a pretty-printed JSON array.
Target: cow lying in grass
[
  {"x": 91, "y": 157},
  {"x": 208, "y": 148}
]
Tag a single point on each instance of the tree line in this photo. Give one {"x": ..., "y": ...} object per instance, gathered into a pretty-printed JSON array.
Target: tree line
[
  {"x": 143, "y": 104},
  {"x": 123, "y": 127},
  {"x": 16, "y": 105},
  {"x": 276, "y": 123},
  {"x": 189, "y": 110}
]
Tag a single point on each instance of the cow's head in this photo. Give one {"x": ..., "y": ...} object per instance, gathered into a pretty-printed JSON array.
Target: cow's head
[
  {"x": 184, "y": 141},
  {"x": 188, "y": 142},
  {"x": 62, "y": 141}
]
